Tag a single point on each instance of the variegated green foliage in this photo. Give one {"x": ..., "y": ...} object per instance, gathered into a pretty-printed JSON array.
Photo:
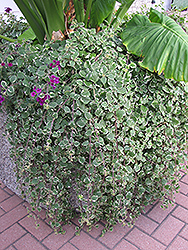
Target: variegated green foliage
[
  {"x": 110, "y": 139},
  {"x": 161, "y": 42}
]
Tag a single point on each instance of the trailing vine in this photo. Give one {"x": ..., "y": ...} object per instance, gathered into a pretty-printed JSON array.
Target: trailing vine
[{"x": 92, "y": 132}]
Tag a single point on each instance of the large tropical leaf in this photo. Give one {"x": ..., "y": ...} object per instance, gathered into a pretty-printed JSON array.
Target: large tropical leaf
[
  {"x": 100, "y": 10},
  {"x": 161, "y": 42}
]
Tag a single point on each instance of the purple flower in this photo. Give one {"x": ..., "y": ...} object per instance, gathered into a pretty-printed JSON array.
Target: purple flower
[
  {"x": 51, "y": 64},
  {"x": 34, "y": 88},
  {"x": 2, "y": 64},
  {"x": 53, "y": 79},
  {"x": 59, "y": 67},
  {"x": 8, "y": 9},
  {"x": 54, "y": 61},
  {"x": 10, "y": 64},
  {"x": 42, "y": 100},
  {"x": 33, "y": 94},
  {"x": 1, "y": 99},
  {"x": 39, "y": 90},
  {"x": 57, "y": 63}
]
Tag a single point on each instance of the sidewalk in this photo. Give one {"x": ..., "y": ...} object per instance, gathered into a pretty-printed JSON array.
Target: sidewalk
[{"x": 156, "y": 229}]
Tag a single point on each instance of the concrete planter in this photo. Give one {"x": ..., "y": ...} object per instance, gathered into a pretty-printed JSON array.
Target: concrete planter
[{"x": 7, "y": 173}]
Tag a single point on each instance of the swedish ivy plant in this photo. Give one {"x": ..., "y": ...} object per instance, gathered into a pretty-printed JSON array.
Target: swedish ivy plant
[{"x": 91, "y": 131}]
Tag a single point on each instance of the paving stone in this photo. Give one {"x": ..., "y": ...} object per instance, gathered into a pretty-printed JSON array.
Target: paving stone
[
  {"x": 11, "y": 248},
  {"x": 148, "y": 208},
  {"x": 54, "y": 242},
  {"x": 10, "y": 203},
  {"x": 11, "y": 217},
  {"x": 125, "y": 245},
  {"x": 10, "y": 235},
  {"x": 181, "y": 213},
  {"x": 84, "y": 241},
  {"x": 168, "y": 230},
  {"x": 110, "y": 239},
  {"x": 41, "y": 232},
  {"x": 1, "y": 212},
  {"x": 158, "y": 214},
  {"x": 68, "y": 246},
  {"x": 184, "y": 232},
  {"x": 28, "y": 243},
  {"x": 146, "y": 224},
  {"x": 95, "y": 232},
  {"x": 3, "y": 195},
  {"x": 8, "y": 191},
  {"x": 179, "y": 244},
  {"x": 181, "y": 199},
  {"x": 183, "y": 188},
  {"x": 144, "y": 241},
  {"x": 185, "y": 179}
]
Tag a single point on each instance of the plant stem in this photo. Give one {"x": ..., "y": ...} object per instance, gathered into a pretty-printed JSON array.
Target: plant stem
[{"x": 8, "y": 39}]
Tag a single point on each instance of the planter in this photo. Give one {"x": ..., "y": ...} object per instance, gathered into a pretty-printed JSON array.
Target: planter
[{"x": 7, "y": 171}]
